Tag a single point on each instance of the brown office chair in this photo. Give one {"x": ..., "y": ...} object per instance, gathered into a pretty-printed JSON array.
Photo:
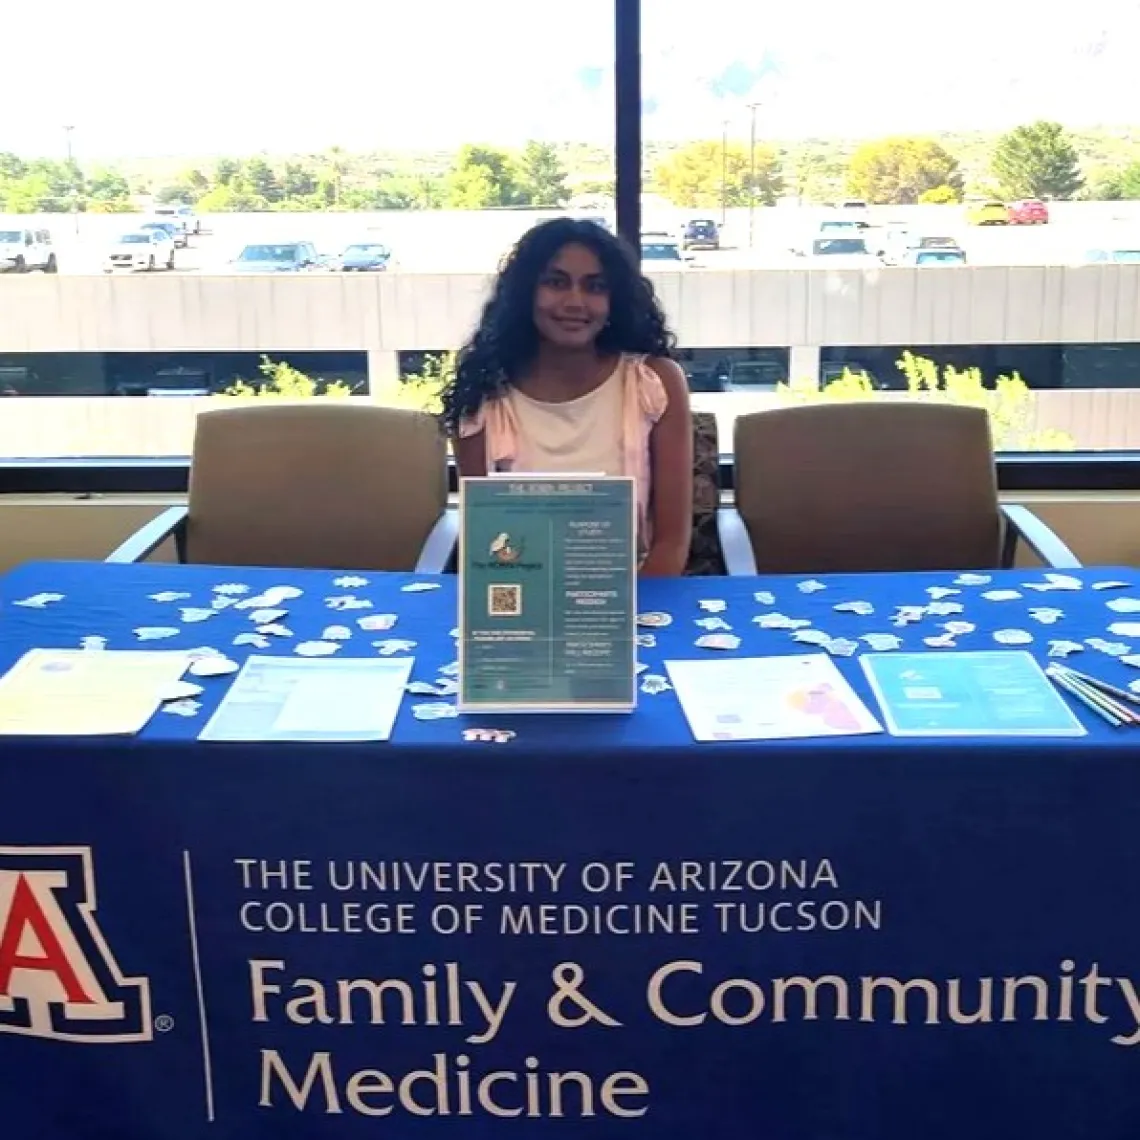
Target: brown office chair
[
  {"x": 316, "y": 484},
  {"x": 705, "y": 555},
  {"x": 891, "y": 485}
]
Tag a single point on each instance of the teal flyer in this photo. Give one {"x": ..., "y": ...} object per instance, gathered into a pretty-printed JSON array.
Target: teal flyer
[
  {"x": 985, "y": 693},
  {"x": 547, "y": 594}
]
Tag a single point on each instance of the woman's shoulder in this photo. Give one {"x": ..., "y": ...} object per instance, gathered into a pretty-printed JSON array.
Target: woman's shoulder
[{"x": 660, "y": 372}]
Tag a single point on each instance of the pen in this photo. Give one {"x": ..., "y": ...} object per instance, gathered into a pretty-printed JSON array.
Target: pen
[
  {"x": 1102, "y": 705},
  {"x": 1104, "y": 686}
]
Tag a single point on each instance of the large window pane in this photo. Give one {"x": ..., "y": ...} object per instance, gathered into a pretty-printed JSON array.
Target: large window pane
[
  {"x": 240, "y": 182},
  {"x": 843, "y": 178}
]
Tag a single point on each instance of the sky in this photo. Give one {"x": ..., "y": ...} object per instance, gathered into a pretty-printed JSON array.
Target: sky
[{"x": 244, "y": 76}]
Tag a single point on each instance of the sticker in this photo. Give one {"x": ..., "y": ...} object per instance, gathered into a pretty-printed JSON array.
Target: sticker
[
  {"x": 654, "y": 620},
  {"x": 973, "y": 580},
  {"x": 454, "y": 633},
  {"x": 93, "y": 642},
  {"x": 423, "y": 689},
  {"x": 958, "y": 628},
  {"x": 713, "y": 623},
  {"x": 882, "y": 642},
  {"x": 1124, "y": 605},
  {"x": 336, "y": 633},
  {"x": 38, "y": 601},
  {"x": 393, "y": 645},
  {"x": 941, "y": 641},
  {"x": 945, "y": 609},
  {"x": 908, "y": 615},
  {"x": 842, "y": 647},
  {"x": 780, "y": 621},
  {"x": 222, "y": 603},
  {"x": 316, "y": 648},
  {"x": 168, "y": 596},
  {"x": 451, "y": 669},
  {"x": 192, "y": 614},
  {"x": 377, "y": 623},
  {"x": 1134, "y": 686},
  {"x": 863, "y": 609},
  {"x": 488, "y": 735},
  {"x": 1064, "y": 648},
  {"x": 213, "y": 667},
  {"x": 347, "y": 602},
  {"x": 1112, "y": 648},
  {"x": 155, "y": 632},
  {"x": 1013, "y": 637},
  {"x": 1125, "y": 628},
  {"x": 1001, "y": 595},
  {"x": 654, "y": 683},
  {"x": 434, "y": 710},
  {"x": 811, "y": 586},
  {"x": 1111, "y": 585},
  {"x": 647, "y": 640},
  {"x": 202, "y": 651},
  {"x": 1133, "y": 660},
  {"x": 419, "y": 587},
  {"x": 233, "y": 589},
  {"x": 765, "y": 597},
  {"x": 267, "y": 617},
  {"x": 275, "y": 630},
  {"x": 350, "y": 581},
  {"x": 718, "y": 641},
  {"x": 640, "y": 667},
  {"x": 447, "y": 686},
  {"x": 1055, "y": 582},
  {"x": 178, "y": 690},
  {"x": 938, "y": 592},
  {"x": 257, "y": 640},
  {"x": 182, "y": 708},
  {"x": 271, "y": 598},
  {"x": 1045, "y": 615},
  {"x": 713, "y": 605},
  {"x": 811, "y": 637}
]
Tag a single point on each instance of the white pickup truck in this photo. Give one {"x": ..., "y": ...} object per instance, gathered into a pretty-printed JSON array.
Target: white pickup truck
[
  {"x": 180, "y": 215},
  {"x": 23, "y": 249}
]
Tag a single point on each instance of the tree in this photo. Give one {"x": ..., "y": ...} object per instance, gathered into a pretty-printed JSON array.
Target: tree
[
  {"x": 1037, "y": 161},
  {"x": 260, "y": 180},
  {"x": 692, "y": 175},
  {"x": 940, "y": 196},
  {"x": 226, "y": 170},
  {"x": 483, "y": 177},
  {"x": 819, "y": 176},
  {"x": 1009, "y": 402},
  {"x": 109, "y": 191},
  {"x": 11, "y": 166},
  {"x": 541, "y": 174},
  {"x": 283, "y": 381},
  {"x": 1123, "y": 184},
  {"x": 899, "y": 170}
]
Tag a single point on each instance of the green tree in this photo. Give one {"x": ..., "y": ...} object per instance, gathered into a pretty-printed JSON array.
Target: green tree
[
  {"x": 542, "y": 175},
  {"x": 260, "y": 180},
  {"x": 691, "y": 176},
  {"x": 940, "y": 196},
  {"x": 1009, "y": 402},
  {"x": 226, "y": 170},
  {"x": 11, "y": 166},
  {"x": 231, "y": 199},
  {"x": 283, "y": 381},
  {"x": 1123, "y": 184},
  {"x": 899, "y": 170},
  {"x": 1037, "y": 161},
  {"x": 819, "y": 176},
  {"x": 31, "y": 194},
  {"x": 297, "y": 181},
  {"x": 483, "y": 177},
  {"x": 109, "y": 191}
]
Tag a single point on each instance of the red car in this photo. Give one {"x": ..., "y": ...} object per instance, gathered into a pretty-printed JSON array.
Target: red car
[{"x": 1028, "y": 212}]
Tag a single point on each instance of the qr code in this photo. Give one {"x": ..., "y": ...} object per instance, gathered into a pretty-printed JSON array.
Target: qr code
[{"x": 504, "y": 601}]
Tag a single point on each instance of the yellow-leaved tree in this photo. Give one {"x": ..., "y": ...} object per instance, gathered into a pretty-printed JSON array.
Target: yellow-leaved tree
[{"x": 283, "y": 381}]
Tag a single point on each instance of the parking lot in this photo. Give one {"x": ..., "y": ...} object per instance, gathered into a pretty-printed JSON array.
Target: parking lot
[{"x": 474, "y": 241}]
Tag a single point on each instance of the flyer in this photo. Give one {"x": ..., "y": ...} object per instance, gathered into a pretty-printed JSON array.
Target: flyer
[{"x": 547, "y": 594}]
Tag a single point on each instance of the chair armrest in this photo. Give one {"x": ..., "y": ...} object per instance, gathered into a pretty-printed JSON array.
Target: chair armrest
[
  {"x": 440, "y": 546},
  {"x": 735, "y": 544},
  {"x": 1021, "y": 522},
  {"x": 150, "y": 536}
]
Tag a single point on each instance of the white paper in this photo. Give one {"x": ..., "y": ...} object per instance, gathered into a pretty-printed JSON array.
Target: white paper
[
  {"x": 317, "y": 699},
  {"x": 768, "y": 698}
]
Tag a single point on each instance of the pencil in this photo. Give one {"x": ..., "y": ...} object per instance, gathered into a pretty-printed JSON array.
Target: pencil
[
  {"x": 1104, "y": 686},
  {"x": 1098, "y": 703}
]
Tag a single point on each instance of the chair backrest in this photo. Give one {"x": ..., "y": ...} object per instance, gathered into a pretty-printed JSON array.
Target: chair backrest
[
  {"x": 705, "y": 556},
  {"x": 316, "y": 483},
  {"x": 849, "y": 487}
]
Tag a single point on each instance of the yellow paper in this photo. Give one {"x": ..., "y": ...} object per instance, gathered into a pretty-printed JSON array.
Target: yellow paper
[{"x": 77, "y": 692}]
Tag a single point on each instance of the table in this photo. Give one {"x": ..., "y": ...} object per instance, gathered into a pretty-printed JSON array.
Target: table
[{"x": 597, "y": 922}]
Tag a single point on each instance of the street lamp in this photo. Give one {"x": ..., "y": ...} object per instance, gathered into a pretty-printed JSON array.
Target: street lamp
[
  {"x": 752, "y": 176},
  {"x": 71, "y": 172},
  {"x": 724, "y": 173}
]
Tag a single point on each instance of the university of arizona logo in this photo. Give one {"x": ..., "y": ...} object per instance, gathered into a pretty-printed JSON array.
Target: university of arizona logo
[{"x": 58, "y": 977}]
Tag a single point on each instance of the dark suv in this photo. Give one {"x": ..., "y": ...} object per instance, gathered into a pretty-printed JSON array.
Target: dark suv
[{"x": 700, "y": 233}]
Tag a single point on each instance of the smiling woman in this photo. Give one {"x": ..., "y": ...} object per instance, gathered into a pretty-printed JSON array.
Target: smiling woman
[{"x": 570, "y": 370}]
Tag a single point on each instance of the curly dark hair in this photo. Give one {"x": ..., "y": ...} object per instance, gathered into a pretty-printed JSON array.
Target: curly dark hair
[{"x": 506, "y": 340}]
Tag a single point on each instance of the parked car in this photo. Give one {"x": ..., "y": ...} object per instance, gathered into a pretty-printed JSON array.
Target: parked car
[
  {"x": 700, "y": 233},
  {"x": 937, "y": 241},
  {"x": 661, "y": 248},
  {"x": 1113, "y": 256},
  {"x": 287, "y": 257},
  {"x": 841, "y": 250},
  {"x": 365, "y": 256},
  {"x": 988, "y": 213},
  {"x": 1028, "y": 212},
  {"x": 22, "y": 250},
  {"x": 140, "y": 249},
  {"x": 939, "y": 256},
  {"x": 753, "y": 376},
  {"x": 172, "y": 229},
  {"x": 182, "y": 215}
]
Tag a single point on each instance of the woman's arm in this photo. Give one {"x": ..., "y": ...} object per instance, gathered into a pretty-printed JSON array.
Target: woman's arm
[
  {"x": 671, "y": 468},
  {"x": 471, "y": 454}
]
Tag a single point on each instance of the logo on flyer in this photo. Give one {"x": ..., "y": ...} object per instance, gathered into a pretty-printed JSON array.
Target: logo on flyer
[
  {"x": 504, "y": 551},
  {"x": 58, "y": 976}
]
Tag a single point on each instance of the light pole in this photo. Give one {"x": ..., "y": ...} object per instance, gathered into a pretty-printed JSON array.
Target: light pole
[
  {"x": 752, "y": 176},
  {"x": 71, "y": 172},
  {"x": 724, "y": 173}
]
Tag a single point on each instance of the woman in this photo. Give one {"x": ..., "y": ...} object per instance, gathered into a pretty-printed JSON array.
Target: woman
[{"x": 569, "y": 370}]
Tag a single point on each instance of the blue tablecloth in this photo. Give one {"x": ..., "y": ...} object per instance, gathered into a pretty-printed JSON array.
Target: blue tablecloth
[{"x": 877, "y": 901}]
